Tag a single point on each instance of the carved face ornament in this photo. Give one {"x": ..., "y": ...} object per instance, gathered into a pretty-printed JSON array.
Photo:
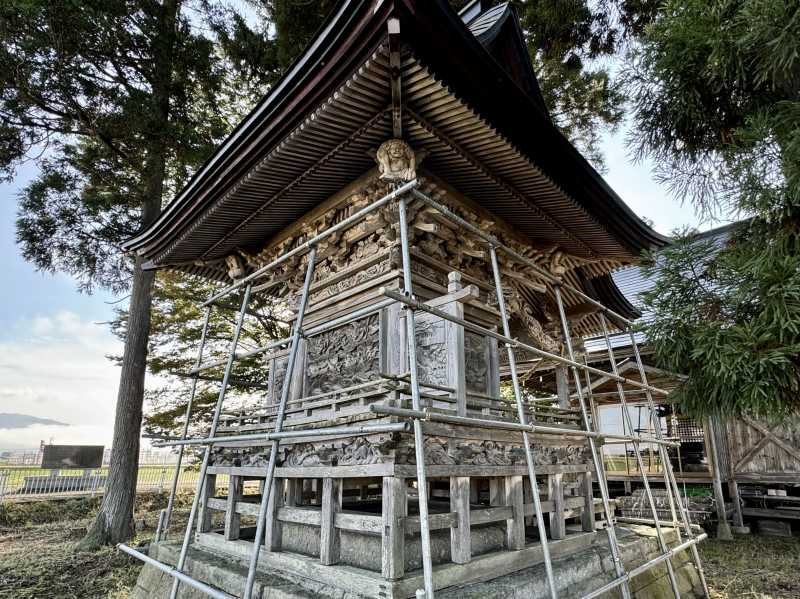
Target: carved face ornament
[{"x": 396, "y": 161}]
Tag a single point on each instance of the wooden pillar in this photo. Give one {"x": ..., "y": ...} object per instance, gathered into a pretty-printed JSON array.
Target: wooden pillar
[
  {"x": 474, "y": 491},
  {"x": 733, "y": 488},
  {"x": 273, "y": 529},
  {"x": 460, "y": 536},
  {"x": 555, "y": 493},
  {"x": 738, "y": 517},
  {"x": 562, "y": 386},
  {"x": 394, "y": 509},
  {"x": 204, "y": 514},
  {"x": 723, "y": 528},
  {"x": 454, "y": 336},
  {"x": 515, "y": 526},
  {"x": 587, "y": 516},
  {"x": 232, "y": 518},
  {"x": 329, "y": 535},
  {"x": 527, "y": 499}
]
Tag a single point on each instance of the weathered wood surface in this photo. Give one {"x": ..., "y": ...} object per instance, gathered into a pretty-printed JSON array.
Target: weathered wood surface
[{"x": 760, "y": 450}]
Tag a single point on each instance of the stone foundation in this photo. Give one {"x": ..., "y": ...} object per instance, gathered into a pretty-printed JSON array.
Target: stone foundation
[{"x": 576, "y": 573}]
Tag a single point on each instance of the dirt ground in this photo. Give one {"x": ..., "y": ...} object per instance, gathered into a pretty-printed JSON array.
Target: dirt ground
[{"x": 38, "y": 559}]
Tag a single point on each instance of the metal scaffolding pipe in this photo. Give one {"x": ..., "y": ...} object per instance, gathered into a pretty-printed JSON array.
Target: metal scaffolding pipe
[
  {"x": 537, "y": 504},
  {"x": 163, "y": 521},
  {"x": 645, "y": 481},
  {"x": 176, "y": 574},
  {"x": 493, "y": 241},
  {"x": 307, "y": 245},
  {"x": 345, "y": 431},
  {"x": 599, "y": 466},
  {"x": 273, "y": 455},
  {"x": 417, "y": 305},
  {"x": 419, "y": 442},
  {"x": 682, "y": 508},
  {"x": 201, "y": 481},
  {"x": 626, "y": 578},
  {"x": 426, "y": 414}
]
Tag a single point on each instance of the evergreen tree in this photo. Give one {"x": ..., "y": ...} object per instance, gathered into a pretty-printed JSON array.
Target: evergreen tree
[
  {"x": 121, "y": 100},
  {"x": 716, "y": 92}
]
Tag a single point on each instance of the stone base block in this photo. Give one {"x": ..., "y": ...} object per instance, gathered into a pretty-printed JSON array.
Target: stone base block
[{"x": 576, "y": 574}]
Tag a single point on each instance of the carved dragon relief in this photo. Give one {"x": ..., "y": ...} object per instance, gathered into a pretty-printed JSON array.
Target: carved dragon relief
[
  {"x": 443, "y": 452},
  {"x": 432, "y": 350},
  {"x": 344, "y": 356},
  {"x": 389, "y": 448},
  {"x": 476, "y": 361}
]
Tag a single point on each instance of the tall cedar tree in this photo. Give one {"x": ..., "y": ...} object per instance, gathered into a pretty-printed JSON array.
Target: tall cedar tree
[
  {"x": 121, "y": 100},
  {"x": 716, "y": 92}
]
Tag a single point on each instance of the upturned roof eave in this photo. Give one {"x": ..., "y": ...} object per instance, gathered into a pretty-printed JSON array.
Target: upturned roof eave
[
  {"x": 357, "y": 28},
  {"x": 516, "y": 115},
  {"x": 290, "y": 90}
]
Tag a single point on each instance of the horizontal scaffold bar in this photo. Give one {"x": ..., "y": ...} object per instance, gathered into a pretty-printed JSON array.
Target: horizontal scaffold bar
[
  {"x": 184, "y": 578},
  {"x": 426, "y": 414},
  {"x": 645, "y": 566},
  {"x": 307, "y": 245},
  {"x": 233, "y": 381},
  {"x": 417, "y": 305},
  {"x": 351, "y": 431},
  {"x": 491, "y": 239},
  {"x": 331, "y": 324}
]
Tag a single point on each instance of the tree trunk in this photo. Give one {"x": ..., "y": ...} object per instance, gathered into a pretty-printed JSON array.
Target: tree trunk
[{"x": 114, "y": 522}]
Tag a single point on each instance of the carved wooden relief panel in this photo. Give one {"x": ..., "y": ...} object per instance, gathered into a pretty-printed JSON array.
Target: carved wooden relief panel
[
  {"x": 477, "y": 360},
  {"x": 344, "y": 356},
  {"x": 431, "y": 350}
]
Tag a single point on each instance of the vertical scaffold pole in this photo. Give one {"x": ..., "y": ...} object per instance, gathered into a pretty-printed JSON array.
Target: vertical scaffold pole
[
  {"x": 645, "y": 481},
  {"x": 512, "y": 364},
  {"x": 201, "y": 482},
  {"x": 163, "y": 523},
  {"x": 682, "y": 508},
  {"x": 419, "y": 447},
  {"x": 273, "y": 455},
  {"x": 598, "y": 464}
]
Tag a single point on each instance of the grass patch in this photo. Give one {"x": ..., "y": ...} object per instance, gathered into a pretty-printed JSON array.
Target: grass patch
[
  {"x": 752, "y": 566},
  {"x": 38, "y": 557}
]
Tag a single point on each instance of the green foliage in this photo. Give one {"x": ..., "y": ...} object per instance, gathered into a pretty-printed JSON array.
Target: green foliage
[
  {"x": 729, "y": 318},
  {"x": 568, "y": 41},
  {"x": 121, "y": 100},
  {"x": 716, "y": 86},
  {"x": 177, "y": 318}
]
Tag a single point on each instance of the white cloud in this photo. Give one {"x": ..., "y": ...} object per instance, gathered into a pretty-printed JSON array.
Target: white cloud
[{"x": 55, "y": 366}]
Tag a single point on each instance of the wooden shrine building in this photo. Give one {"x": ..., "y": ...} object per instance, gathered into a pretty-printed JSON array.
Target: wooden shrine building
[{"x": 403, "y": 170}]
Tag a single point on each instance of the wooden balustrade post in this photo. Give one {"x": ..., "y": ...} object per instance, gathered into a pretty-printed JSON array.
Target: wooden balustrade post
[
  {"x": 460, "y": 536},
  {"x": 515, "y": 526},
  {"x": 393, "y": 542},
  {"x": 204, "y": 520},
  {"x": 274, "y": 530},
  {"x": 232, "y": 517},
  {"x": 587, "y": 516},
  {"x": 555, "y": 492},
  {"x": 329, "y": 535}
]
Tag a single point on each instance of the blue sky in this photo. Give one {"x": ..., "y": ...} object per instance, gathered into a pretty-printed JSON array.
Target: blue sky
[{"x": 53, "y": 343}]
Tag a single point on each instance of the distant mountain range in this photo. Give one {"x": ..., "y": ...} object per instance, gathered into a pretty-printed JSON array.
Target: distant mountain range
[{"x": 23, "y": 421}]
